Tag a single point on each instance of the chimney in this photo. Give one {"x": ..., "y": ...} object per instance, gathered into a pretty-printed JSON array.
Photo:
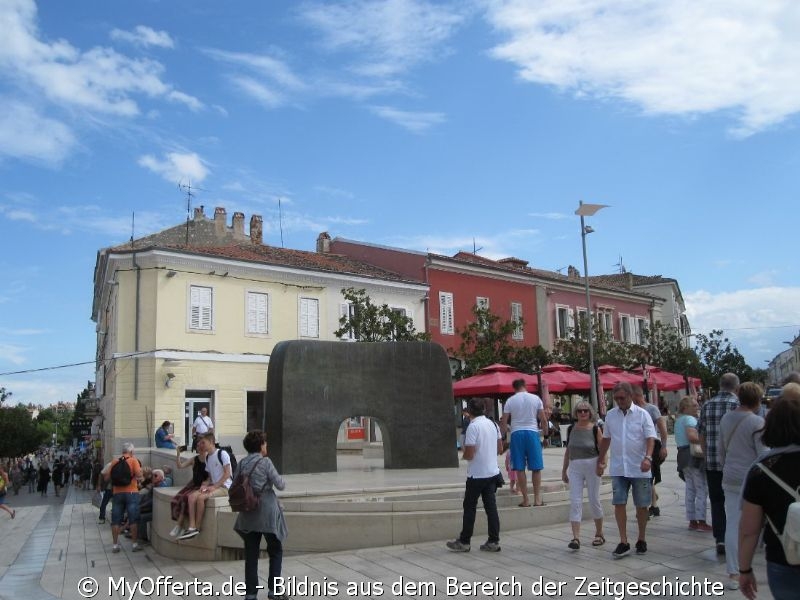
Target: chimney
[
  {"x": 629, "y": 281},
  {"x": 256, "y": 229},
  {"x": 238, "y": 225},
  {"x": 198, "y": 213},
  {"x": 573, "y": 273},
  {"x": 323, "y": 243},
  {"x": 220, "y": 221}
]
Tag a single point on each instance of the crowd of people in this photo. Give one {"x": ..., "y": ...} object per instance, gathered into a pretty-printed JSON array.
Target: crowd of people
[{"x": 743, "y": 464}]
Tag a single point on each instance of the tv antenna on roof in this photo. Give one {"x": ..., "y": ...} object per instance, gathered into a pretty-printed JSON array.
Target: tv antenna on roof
[
  {"x": 620, "y": 265},
  {"x": 188, "y": 190},
  {"x": 474, "y": 248}
]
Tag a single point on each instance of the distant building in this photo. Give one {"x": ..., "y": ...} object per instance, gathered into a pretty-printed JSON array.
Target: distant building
[{"x": 187, "y": 318}]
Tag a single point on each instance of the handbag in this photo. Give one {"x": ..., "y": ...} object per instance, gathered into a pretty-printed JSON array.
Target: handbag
[
  {"x": 790, "y": 537},
  {"x": 696, "y": 450},
  {"x": 97, "y": 499}
]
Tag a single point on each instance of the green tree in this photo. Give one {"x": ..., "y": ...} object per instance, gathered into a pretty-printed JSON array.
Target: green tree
[
  {"x": 488, "y": 339},
  {"x": 4, "y": 395},
  {"x": 719, "y": 356},
  {"x": 665, "y": 348},
  {"x": 19, "y": 434},
  {"x": 574, "y": 350},
  {"x": 50, "y": 421},
  {"x": 369, "y": 322}
]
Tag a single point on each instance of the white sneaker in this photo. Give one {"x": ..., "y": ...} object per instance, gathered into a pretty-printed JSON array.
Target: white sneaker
[
  {"x": 176, "y": 531},
  {"x": 116, "y": 549}
]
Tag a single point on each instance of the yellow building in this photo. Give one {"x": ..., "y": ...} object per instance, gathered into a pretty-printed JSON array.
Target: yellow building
[{"x": 187, "y": 318}]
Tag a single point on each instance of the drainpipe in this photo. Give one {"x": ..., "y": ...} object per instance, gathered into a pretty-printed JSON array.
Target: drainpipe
[{"x": 136, "y": 330}]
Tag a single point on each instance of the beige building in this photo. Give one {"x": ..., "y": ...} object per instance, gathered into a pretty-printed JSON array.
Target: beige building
[{"x": 187, "y": 318}]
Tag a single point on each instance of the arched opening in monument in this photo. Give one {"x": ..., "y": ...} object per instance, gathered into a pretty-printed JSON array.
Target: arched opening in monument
[{"x": 360, "y": 444}]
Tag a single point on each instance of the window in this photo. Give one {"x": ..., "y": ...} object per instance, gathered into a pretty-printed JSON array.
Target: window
[
  {"x": 564, "y": 322},
  {"x": 348, "y": 312},
  {"x": 446, "y": 318},
  {"x": 482, "y": 302},
  {"x": 582, "y": 322},
  {"x": 403, "y": 313},
  {"x": 606, "y": 320},
  {"x": 625, "y": 328},
  {"x": 516, "y": 318},
  {"x": 257, "y": 313},
  {"x": 641, "y": 331},
  {"x": 201, "y": 313},
  {"x": 309, "y": 317}
]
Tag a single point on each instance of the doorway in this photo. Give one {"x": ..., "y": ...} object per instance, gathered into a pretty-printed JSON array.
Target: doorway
[{"x": 195, "y": 401}]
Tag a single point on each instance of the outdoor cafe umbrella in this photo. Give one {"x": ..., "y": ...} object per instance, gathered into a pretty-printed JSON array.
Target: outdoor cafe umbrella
[
  {"x": 610, "y": 375},
  {"x": 497, "y": 380},
  {"x": 666, "y": 380},
  {"x": 565, "y": 377}
]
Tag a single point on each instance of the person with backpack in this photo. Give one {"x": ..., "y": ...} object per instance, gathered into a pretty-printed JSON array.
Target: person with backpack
[
  {"x": 179, "y": 505},
  {"x": 219, "y": 470},
  {"x": 771, "y": 491},
  {"x": 124, "y": 473},
  {"x": 580, "y": 467},
  {"x": 257, "y": 471}
]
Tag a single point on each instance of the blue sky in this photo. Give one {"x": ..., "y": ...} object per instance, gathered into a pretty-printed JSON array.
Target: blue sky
[{"x": 424, "y": 125}]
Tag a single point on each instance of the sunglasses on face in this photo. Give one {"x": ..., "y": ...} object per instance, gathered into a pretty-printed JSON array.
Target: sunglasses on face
[{"x": 582, "y": 410}]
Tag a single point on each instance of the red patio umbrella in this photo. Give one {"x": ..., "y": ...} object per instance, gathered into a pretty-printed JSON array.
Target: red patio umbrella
[
  {"x": 564, "y": 375},
  {"x": 666, "y": 380},
  {"x": 496, "y": 380},
  {"x": 611, "y": 375}
]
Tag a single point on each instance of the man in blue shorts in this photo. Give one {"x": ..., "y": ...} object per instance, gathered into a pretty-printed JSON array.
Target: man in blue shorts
[
  {"x": 630, "y": 434},
  {"x": 526, "y": 411}
]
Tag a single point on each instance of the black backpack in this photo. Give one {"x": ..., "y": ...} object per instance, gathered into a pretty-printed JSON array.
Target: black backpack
[
  {"x": 121, "y": 474},
  {"x": 229, "y": 451},
  {"x": 595, "y": 428}
]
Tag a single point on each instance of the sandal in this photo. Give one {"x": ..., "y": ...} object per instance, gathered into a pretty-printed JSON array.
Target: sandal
[
  {"x": 540, "y": 504},
  {"x": 575, "y": 544},
  {"x": 523, "y": 505},
  {"x": 599, "y": 540}
]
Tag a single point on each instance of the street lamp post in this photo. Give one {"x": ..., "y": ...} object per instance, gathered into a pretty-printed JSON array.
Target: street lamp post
[{"x": 587, "y": 210}]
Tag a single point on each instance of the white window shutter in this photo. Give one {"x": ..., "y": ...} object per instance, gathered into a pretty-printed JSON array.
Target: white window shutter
[
  {"x": 446, "y": 317},
  {"x": 257, "y": 312},
  {"x": 200, "y": 303}
]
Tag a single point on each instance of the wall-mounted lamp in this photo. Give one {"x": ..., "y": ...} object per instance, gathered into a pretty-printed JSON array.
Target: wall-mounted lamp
[
  {"x": 170, "y": 377},
  {"x": 549, "y": 291},
  {"x": 171, "y": 273}
]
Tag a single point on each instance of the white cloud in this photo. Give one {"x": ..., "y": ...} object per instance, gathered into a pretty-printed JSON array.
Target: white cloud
[
  {"x": 99, "y": 79},
  {"x": 756, "y": 320},
  {"x": 11, "y": 353},
  {"x": 144, "y": 36},
  {"x": 415, "y": 122},
  {"x": 553, "y": 216},
  {"x": 764, "y": 278},
  {"x": 26, "y": 134},
  {"x": 262, "y": 94},
  {"x": 495, "y": 247},
  {"x": 388, "y": 37},
  {"x": 176, "y": 166},
  {"x": 37, "y": 390},
  {"x": 267, "y": 66},
  {"x": 677, "y": 58}
]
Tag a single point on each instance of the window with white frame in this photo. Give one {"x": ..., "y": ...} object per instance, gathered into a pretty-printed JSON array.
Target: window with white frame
[
  {"x": 309, "y": 317},
  {"x": 564, "y": 321},
  {"x": 641, "y": 330},
  {"x": 607, "y": 322},
  {"x": 404, "y": 313},
  {"x": 447, "y": 324},
  {"x": 582, "y": 321},
  {"x": 201, "y": 308},
  {"x": 482, "y": 302},
  {"x": 625, "y": 328},
  {"x": 516, "y": 318},
  {"x": 257, "y": 313},
  {"x": 348, "y": 312}
]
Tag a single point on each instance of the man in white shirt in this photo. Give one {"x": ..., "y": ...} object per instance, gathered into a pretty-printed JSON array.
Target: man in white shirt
[
  {"x": 630, "y": 433},
  {"x": 482, "y": 444},
  {"x": 527, "y": 418},
  {"x": 202, "y": 425}
]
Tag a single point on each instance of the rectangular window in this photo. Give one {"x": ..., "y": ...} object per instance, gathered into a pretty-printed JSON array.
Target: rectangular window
[
  {"x": 257, "y": 313},
  {"x": 516, "y": 318},
  {"x": 309, "y": 317},
  {"x": 625, "y": 328},
  {"x": 582, "y": 322},
  {"x": 641, "y": 331},
  {"x": 564, "y": 322},
  {"x": 446, "y": 317},
  {"x": 482, "y": 302},
  {"x": 348, "y": 312},
  {"x": 201, "y": 308},
  {"x": 607, "y": 321}
]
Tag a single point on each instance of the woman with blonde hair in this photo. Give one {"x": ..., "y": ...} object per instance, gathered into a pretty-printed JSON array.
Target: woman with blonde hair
[
  {"x": 691, "y": 468},
  {"x": 580, "y": 468}
]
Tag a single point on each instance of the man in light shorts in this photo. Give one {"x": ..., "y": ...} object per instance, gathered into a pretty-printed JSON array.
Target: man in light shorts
[
  {"x": 527, "y": 419},
  {"x": 630, "y": 434}
]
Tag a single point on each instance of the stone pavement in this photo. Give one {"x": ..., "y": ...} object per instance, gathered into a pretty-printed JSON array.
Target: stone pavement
[{"x": 47, "y": 550}]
